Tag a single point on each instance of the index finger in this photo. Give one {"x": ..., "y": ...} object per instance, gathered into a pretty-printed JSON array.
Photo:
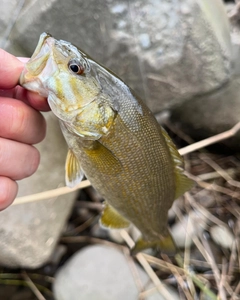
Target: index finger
[{"x": 10, "y": 70}]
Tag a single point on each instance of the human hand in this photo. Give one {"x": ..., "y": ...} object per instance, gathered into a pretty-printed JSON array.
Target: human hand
[{"x": 21, "y": 125}]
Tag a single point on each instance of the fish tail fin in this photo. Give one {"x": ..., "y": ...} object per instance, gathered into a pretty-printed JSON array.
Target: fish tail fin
[{"x": 165, "y": 244}]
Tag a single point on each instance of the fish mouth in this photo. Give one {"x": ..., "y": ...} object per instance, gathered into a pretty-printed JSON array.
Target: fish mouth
[{"x": 39, "y": 66}]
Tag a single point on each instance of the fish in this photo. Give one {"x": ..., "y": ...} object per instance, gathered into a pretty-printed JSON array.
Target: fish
[{"x": 113, "y": 139}]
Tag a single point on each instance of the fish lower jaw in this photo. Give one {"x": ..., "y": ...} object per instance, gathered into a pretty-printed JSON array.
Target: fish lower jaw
[{"x": 35, "y": 86}]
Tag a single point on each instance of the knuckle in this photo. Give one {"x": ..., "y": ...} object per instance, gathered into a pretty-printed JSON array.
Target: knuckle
[
  {"x": 19, "y": 122},
  {"x": 33, "y": 162},
  {"x": 8, "y": 192}
]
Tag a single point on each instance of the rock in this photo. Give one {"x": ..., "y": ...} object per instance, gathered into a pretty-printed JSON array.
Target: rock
[
  {"x": 101, "y": 273},
  {"x": 205, "y": 198},
  {"x": 29, "y": 232},
  {"x": 177, "y": 205},
  {"x": 173, "y": 48},
  {"x": 195, "y": 227},
  {"x": 222, "y": 236},
  {"x": 233, "y": 11},
  {"x": 198, "y": 261},
  {"x": 7, "y": 18},
  {"x": 221, "y": 107}
]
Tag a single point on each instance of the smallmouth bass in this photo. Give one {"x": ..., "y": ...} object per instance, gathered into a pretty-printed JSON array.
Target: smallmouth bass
[{"x": 113, "y": 139}]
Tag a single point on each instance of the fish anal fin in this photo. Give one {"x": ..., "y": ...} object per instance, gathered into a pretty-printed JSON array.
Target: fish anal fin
[
  {"x": 73, "y": 172},
  {"x": 112, "y": 219},
  {"x": 182, "y": 182},
  {"x": 164, "y": 244}
]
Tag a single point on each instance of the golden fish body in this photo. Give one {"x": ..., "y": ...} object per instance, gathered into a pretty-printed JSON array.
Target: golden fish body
[{"x": 113, "y": 139}]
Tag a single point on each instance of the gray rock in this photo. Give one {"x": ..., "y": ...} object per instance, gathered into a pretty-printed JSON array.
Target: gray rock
[
  {"x": 29, "y": 232},
  {"x": 216, "y": 112},
  {"x": 173, "y": 48},
  {"x": 222, "y": 236},
  {"x": 10, "y": 11},
  {"x": 211, "y": 114},
  {"x": 193, "y": 224},
  {"x": 234, "y": 17},
  {"x": 100, "y": 273}
]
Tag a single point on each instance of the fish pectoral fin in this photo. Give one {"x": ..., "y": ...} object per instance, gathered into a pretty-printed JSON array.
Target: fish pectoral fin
[
  {"x": 73, "y": 172},
  {"x": 164, "y": 244},
  {"x": 112, "y": 219},
  {"x": 105, "y": 162},
  {"x": 182, "y": 182}
]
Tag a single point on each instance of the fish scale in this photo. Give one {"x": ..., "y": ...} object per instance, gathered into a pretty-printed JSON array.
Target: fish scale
[{"x": 113, "y": 139}]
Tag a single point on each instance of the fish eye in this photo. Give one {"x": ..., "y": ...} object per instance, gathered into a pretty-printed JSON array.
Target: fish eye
[{"x": 76, "y": 67}]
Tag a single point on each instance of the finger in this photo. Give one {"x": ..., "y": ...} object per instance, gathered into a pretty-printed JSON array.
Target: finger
[
  {"x": 8, "y": 191},
  {"x": 31, "y": 98},
  {"x": 21, "y": 122},
  {"x": 17, "y": 160},
  {"x": 10, "y": 70}
]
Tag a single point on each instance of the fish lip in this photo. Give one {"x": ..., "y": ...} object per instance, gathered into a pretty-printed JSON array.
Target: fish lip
[
  {"x": 42, "y": 39},
  {"x": 28, "y": 78},
  {"x": 34, "y": 85}
]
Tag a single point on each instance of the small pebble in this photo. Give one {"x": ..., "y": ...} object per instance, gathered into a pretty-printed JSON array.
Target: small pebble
[
  {"x": 222, "y": 236},
  {"x": 196, "y": 227}
]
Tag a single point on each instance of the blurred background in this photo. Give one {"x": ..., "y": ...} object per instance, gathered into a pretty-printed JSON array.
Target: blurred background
[{"x": 182, "y": 57}]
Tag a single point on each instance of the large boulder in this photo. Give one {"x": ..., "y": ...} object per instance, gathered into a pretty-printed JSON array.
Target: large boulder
[
  {"x": 167, "y": 51},
  {"x": 213, "y": 113},
  {"x": 29, "y": 232},
  {"x": 7, "y": 18}
]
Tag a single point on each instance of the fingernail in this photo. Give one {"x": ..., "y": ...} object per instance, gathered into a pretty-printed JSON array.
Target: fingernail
[{"x": 23, "y": 59}]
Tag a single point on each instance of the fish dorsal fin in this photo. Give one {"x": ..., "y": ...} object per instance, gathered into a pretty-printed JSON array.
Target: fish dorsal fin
[
  {"x": 73, "y": 172},
  {"x": 182, "y": 182},
  {"x": 105, "y": 162},
  {"x": 112, "y": 219}
]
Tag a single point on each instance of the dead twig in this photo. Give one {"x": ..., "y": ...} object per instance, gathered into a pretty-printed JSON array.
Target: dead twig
[
  {"x": 220, "y": 171},
  {"x": 32, "y": 286},
  {"x": 98, "y": 206},
  {"x": 236, "y": 292},
  {"x": 159, "y": 285},
  {"x": 214, "y": 187},
  {"x": 179, "y": 279},
  {"x": 83, "y": 226},
  {"x": 203, "y": 210},
  {"x": 51, "y": 193},
  {"x": 187, "y": 259},
  {"x": 211, "y": 140},
  {"x": 199, "y": 280},
  {"x": 134, "y": 271},
  {"x": 211, "y": 260},
  {"x": 214, "y": 175}
]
